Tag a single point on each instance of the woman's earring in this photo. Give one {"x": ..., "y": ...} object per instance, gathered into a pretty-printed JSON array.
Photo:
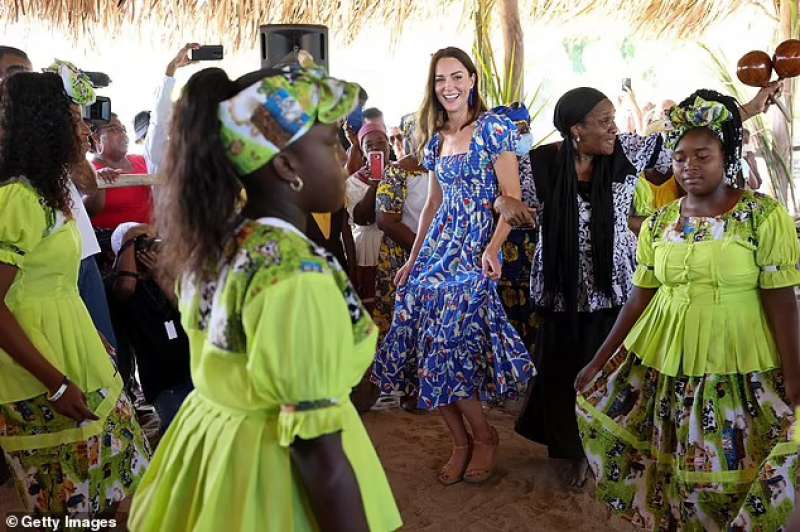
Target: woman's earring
[{"x": 297, "y": 185}]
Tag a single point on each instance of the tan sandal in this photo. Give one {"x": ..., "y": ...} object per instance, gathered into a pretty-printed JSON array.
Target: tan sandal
[
  {"x": 452, "y": 472},
  {"x": 485, "y": 454}
]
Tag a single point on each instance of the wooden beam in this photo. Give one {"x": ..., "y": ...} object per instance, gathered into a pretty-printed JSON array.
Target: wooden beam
[{"x": 513, "y": 46}]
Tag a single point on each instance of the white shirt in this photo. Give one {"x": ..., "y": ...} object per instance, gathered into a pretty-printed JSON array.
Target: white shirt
[
  {"x": 88, "y": 238},
  {"x": 155, "y": 144},
  {"x": 367, "y": 238},
  {"x": 416, "y": 195}
]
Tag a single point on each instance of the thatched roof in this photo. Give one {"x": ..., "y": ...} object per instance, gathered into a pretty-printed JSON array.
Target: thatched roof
[{"x": 235, "y": 22}]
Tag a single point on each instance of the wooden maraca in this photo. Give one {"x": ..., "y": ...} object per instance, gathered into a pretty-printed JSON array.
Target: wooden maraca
[
  {"x": 755, "y": 68},
  {"x": 786, "y": 60}
]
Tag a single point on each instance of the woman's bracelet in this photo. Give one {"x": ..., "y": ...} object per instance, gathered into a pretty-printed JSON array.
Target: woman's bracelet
[{"x": 58, "y": 393}]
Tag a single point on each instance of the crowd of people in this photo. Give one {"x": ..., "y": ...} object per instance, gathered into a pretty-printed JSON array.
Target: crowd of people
[{"x": 204, "y": 346}]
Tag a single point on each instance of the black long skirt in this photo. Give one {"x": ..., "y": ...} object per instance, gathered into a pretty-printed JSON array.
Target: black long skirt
[{"x": 563, "y": 348}]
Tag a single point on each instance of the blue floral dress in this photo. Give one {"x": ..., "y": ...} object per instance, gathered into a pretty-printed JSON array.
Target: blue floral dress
[{"x": 450, "y": 337}]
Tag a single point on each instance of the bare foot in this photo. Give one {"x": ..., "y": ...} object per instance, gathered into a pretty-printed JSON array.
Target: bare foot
[{"x": 577, "y": 473}]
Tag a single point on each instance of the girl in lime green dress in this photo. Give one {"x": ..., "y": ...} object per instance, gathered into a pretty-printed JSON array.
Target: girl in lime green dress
[
  {"x": 67, "y": 430},
  {"x": 269, "y": 439},
  {"x": 686, "y": 410}
]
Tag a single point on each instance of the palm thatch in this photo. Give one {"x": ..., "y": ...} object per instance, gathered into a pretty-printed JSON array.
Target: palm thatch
[{"x": 235, "y": 22}]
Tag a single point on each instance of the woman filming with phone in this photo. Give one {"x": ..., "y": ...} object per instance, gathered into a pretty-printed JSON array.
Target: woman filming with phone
[{"x": 361, "y": 191}]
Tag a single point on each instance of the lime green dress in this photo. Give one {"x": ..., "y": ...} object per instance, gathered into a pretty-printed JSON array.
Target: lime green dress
[
  {"x": 688, "y": 426},
  {"x": 60, "y": 467},
  {"x": 278, "y": 340}
]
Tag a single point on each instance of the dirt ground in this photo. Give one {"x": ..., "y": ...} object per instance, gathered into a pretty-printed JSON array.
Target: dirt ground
[{"x": 525, "y": 493}]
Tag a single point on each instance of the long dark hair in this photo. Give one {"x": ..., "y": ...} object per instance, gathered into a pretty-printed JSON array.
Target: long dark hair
[
  {"x": 38, "y": 139},
  {"x": 431, "y": 116},
  {"x": 196, "y": 207}
]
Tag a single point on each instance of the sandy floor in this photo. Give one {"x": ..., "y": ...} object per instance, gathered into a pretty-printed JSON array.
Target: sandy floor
[{"x": 524, "y": 494}]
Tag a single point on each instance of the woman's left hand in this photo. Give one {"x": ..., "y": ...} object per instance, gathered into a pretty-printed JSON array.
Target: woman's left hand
[{"x": 490, "y": 264}]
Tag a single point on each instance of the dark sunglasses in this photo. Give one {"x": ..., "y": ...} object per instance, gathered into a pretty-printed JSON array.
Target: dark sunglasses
[{"x": 395, "y": 137}]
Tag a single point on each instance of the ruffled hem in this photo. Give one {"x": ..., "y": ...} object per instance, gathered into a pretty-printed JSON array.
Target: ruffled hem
[
  {"x": 450, "y": 340},
  {"x": 784, "y": 277},
  {"x": 676, "y": 337}
]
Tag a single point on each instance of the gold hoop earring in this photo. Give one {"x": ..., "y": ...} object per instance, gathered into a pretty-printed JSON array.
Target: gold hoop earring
[{"x": 297, "y": 185}]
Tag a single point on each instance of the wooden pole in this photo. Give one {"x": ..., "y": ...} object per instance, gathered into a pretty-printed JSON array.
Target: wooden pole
[
  {"x": 782, "y": 129},
  {"x": 513, "y": 45}
]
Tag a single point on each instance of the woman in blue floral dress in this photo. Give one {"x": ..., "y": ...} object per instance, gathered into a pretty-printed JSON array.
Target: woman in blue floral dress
[{"x": 450, "y": 340}]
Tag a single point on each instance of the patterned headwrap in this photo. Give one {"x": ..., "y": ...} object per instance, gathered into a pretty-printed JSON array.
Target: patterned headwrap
[
  {"x": 715, "y": 112},
  {"x": 77, "y": 84},
  {"x": 274, "y": 112},
  {"x": 701, "y": 113}
]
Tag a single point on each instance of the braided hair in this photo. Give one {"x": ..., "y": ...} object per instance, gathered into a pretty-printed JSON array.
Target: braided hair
[{"x": 732, "y": 132}]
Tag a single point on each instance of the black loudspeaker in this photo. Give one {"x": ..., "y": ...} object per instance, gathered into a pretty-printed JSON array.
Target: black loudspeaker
[{"x": 281, "y": 42}]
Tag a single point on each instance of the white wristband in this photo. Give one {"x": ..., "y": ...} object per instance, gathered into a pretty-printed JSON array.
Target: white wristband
[{"x": 58, "y": 393}]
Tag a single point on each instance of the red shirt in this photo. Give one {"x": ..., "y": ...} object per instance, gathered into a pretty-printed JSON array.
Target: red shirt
[{"x": 129, "y": 204}]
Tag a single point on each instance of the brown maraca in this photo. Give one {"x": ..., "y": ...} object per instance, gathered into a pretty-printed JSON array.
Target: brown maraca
[
  {"x": 786, "y": 60},
  {"x": 754, "y": 69}
]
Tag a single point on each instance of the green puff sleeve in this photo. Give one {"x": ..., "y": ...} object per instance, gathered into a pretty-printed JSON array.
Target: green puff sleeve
[
  {"x": 22, "y": 222},
  {"x": 302, "y": 353},
  {"x": 645, "y": 275},
  {"x": 778, "y": 253},
  {"x": 643, "y": 198}
]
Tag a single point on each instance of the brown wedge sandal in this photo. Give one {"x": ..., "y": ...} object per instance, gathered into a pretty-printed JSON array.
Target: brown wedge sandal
[
  {"x": 453, "y": 471},
  {"x": 484, "y": 456}
]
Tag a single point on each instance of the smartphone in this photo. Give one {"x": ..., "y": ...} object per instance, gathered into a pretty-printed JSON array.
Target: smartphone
[
  {"x": 99, "y": 112},
  {"x": 375, "y": 165},
  {"x": 626, "y": 85},
  {"x": 356, "y": 119},
  {"x": 212, "y": 52}
]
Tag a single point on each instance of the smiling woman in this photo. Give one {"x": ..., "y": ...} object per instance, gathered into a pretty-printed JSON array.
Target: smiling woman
[
  {"x": 450, "y": 342},
  {"x": 582, "y": 271}
]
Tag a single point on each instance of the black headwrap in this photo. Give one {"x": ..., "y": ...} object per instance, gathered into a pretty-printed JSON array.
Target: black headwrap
[{"x": 559, "y": 184}]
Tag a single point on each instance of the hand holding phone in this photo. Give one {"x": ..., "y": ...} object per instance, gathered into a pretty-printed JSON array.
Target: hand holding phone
[
  {"x": 212, "y": 52},
  {"x": 626, "y": 85},
  {"x": 376, "y": 161}
]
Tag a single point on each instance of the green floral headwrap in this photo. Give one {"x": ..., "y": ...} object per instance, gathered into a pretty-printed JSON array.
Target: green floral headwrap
[
  {"x": 701, "y": 113},
  {"x": 274, "y": 112},
  {"x": 717, "y": 112},
  {"x": 77, "y": 84}
]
